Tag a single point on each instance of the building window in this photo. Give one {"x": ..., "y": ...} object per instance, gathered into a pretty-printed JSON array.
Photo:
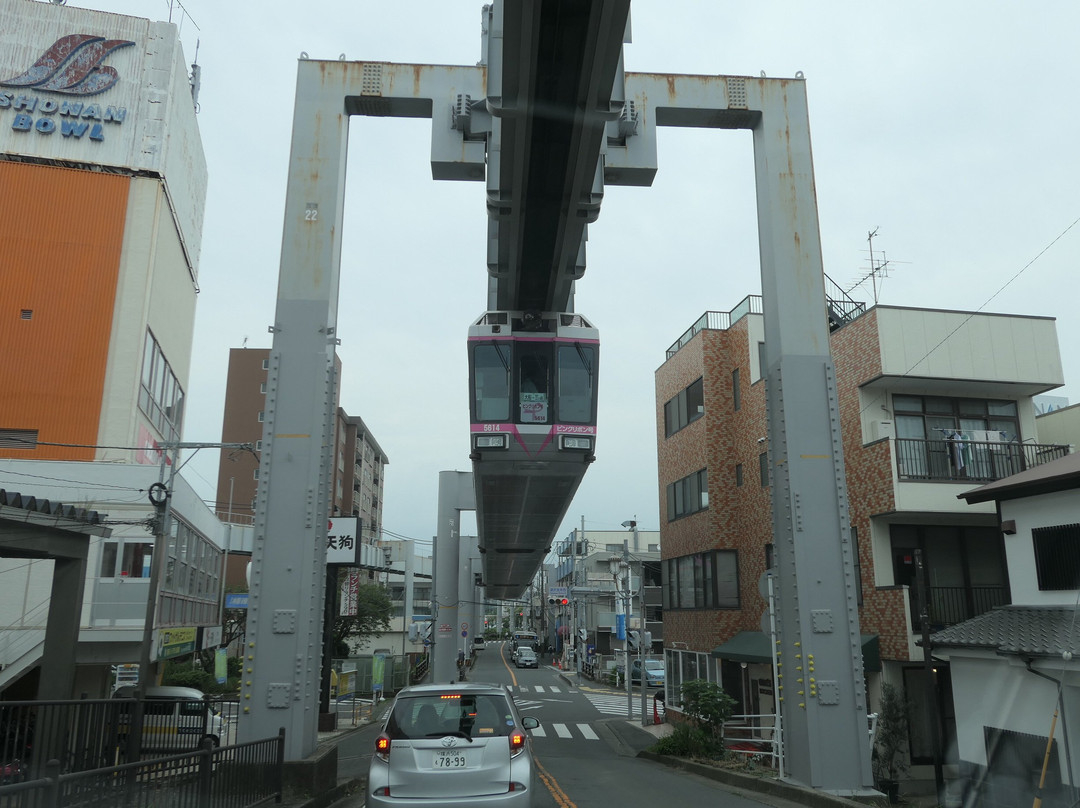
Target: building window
[
  {"x": 262, "y": 388},
  {"x": 688, "y": 495},
  {"x": 1057, "y": 556},
  {"x": 654, "y": 548},
  {"x": 135, "y": 559},
  {"x": 258, "y": 446},
  {"x": 266, "y": 364},
  {"x": 161, "y": 398},
  {"x": 707, "y": 580},
  {"x": 613, "y": 548},
  {"x": 256, "y": 474},
  {"x": 763, "y": 464},
  {"x": 929, "y": 417},
  {"x": 736, "y": 390},
  {"x": 685, "y": 408},
  {"x": 262, "y": 416},
  {"x": 761, "y": 361},
  {"x": 738, "y": 475}
]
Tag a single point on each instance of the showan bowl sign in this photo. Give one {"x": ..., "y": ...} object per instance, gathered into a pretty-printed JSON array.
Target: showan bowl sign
[{"x": 74, "y": 68}]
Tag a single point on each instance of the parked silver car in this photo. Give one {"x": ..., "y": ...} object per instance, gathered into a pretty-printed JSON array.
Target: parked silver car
[{"x": 459, "y": 744}]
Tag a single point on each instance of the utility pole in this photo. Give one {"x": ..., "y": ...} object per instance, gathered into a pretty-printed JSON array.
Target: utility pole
[
  {"x": 928, "y": 670},
  {"x": 626, "y": 642}
]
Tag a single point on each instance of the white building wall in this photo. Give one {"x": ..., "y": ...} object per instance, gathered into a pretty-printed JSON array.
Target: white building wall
[
  {"x": 1045, "y": 510},
  {"x": 1060, "y": 426},
  {"x": 989, "y": 691},
  {"x": 154, "y": 290},
  {"x": 938, "y": 497},
  {"x": 965, "y": 346},
  {"x": 115, "y": 490}
]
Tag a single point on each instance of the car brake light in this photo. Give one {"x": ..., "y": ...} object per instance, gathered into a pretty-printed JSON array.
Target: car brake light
[
  {"x": 382, "y": 746},
  {"x": 517, "y": 741}
]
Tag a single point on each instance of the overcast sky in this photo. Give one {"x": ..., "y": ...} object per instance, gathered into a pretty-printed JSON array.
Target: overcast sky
[{"x": 951, "y": 128}]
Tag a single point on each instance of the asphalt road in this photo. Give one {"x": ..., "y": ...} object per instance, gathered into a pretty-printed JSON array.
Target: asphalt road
[{"x": 585, "y": 748}]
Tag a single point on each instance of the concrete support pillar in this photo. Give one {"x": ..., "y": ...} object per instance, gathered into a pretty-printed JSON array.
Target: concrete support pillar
[
  {"x": 62, "y": 632},
  {"x": 455, "y": 495}
]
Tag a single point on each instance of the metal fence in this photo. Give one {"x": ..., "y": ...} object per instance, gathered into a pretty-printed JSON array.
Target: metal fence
[
  {"x": 754, "y": 737},
  {"x": 968, "y": 460},
  {"x": 240, "y": 776},
  {"x": 85, "y": 734},
  {"x": 950, "y": 605}
]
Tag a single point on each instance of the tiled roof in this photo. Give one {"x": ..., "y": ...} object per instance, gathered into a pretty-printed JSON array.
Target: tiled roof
[
  {"x": 1043, "y": 631},
  {"x": 1062, "y": 474},
  {"x": 13, "y": 499}
]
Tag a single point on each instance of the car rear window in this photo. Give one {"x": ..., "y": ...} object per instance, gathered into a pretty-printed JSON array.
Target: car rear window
[{"x": 476, "y": 715}]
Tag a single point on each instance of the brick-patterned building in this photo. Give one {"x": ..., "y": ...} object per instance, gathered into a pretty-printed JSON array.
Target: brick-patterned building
[
  {"x": 358, "y": 469},
  {"x": 932, "y": 403}
]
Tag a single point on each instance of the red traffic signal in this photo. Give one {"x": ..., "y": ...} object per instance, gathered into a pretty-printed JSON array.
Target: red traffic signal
[{"x": 564, "y": 601}]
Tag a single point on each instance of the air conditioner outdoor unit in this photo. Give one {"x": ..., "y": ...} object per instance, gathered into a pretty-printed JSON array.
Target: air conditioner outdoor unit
[{"x": 883, "y": 429}]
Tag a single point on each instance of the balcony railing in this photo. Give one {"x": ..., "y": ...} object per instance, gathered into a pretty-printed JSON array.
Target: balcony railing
[
  {"x": 969, "y": 461},
  {"x": 950, "y": 605}
]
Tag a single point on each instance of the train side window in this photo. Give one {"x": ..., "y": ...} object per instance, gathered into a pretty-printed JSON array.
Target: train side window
[
  {"x": 491, "y": 363},
  {"x": 533, "y": 381},
  {"x": 576, "y": 363}
]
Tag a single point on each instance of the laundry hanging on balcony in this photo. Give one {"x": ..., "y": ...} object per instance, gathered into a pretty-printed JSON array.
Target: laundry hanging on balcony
[{"x": 955, "y": 444}]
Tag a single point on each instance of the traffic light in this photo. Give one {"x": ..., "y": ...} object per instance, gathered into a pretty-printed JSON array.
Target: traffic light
[{"x": 564, "y": 601}]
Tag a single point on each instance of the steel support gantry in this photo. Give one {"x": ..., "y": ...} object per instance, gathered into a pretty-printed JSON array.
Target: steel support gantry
[{"x": 487, "y": 124}]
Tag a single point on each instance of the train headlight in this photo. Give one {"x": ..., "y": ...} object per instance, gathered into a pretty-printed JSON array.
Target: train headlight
[
  {"x": 491, "y": 441},
  {"x": 578, "y": 443}
]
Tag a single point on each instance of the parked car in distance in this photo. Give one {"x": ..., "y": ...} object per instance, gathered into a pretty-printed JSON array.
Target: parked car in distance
[
  {"x": 654, "y": 672},
  {"x": 176, "y": 719},
  {"x": 450, "y": 745},
  {"x": 526, "y": 658},
  {"x": 479, "y": 643}
]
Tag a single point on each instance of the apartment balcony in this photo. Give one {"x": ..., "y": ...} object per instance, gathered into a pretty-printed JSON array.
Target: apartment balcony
[
  {"x": 941, "y": 460},
  {"x": 949, "y": 605}
]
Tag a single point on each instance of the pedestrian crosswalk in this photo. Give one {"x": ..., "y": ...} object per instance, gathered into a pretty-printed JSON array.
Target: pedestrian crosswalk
[
  {"x": 565, "y": 731},
  {"x": 543, "y": 689},
  {"x": 610, "y": 704}
]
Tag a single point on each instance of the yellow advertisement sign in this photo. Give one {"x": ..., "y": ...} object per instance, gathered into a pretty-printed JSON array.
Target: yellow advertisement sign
[{"x": 175, "y": 642}]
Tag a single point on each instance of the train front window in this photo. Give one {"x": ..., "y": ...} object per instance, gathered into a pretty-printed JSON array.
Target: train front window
[
  {"x": 533, "y": 383},
  {"x": 576, "y": 363},
  {"x": 491, "y": 382}
]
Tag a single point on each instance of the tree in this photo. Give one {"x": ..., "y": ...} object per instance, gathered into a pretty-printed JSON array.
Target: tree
[
  {"x": 890, "y": 745},
  {"x": 707, "y": 707},
  {"x": 372, "y": 618}
]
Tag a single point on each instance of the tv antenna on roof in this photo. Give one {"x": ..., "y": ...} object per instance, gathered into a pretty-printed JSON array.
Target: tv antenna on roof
[{"x": 877, "y": 268}]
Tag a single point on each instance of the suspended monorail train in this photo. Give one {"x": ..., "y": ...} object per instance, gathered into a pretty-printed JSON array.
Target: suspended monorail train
[{"x": 533, "y": 381}]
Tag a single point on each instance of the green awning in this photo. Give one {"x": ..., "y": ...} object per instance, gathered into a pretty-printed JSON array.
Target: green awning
[{"x": 753, "y": 646}]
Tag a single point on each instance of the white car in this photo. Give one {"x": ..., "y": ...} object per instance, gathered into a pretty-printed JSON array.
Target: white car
[{"x": 449, "y": 745}]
